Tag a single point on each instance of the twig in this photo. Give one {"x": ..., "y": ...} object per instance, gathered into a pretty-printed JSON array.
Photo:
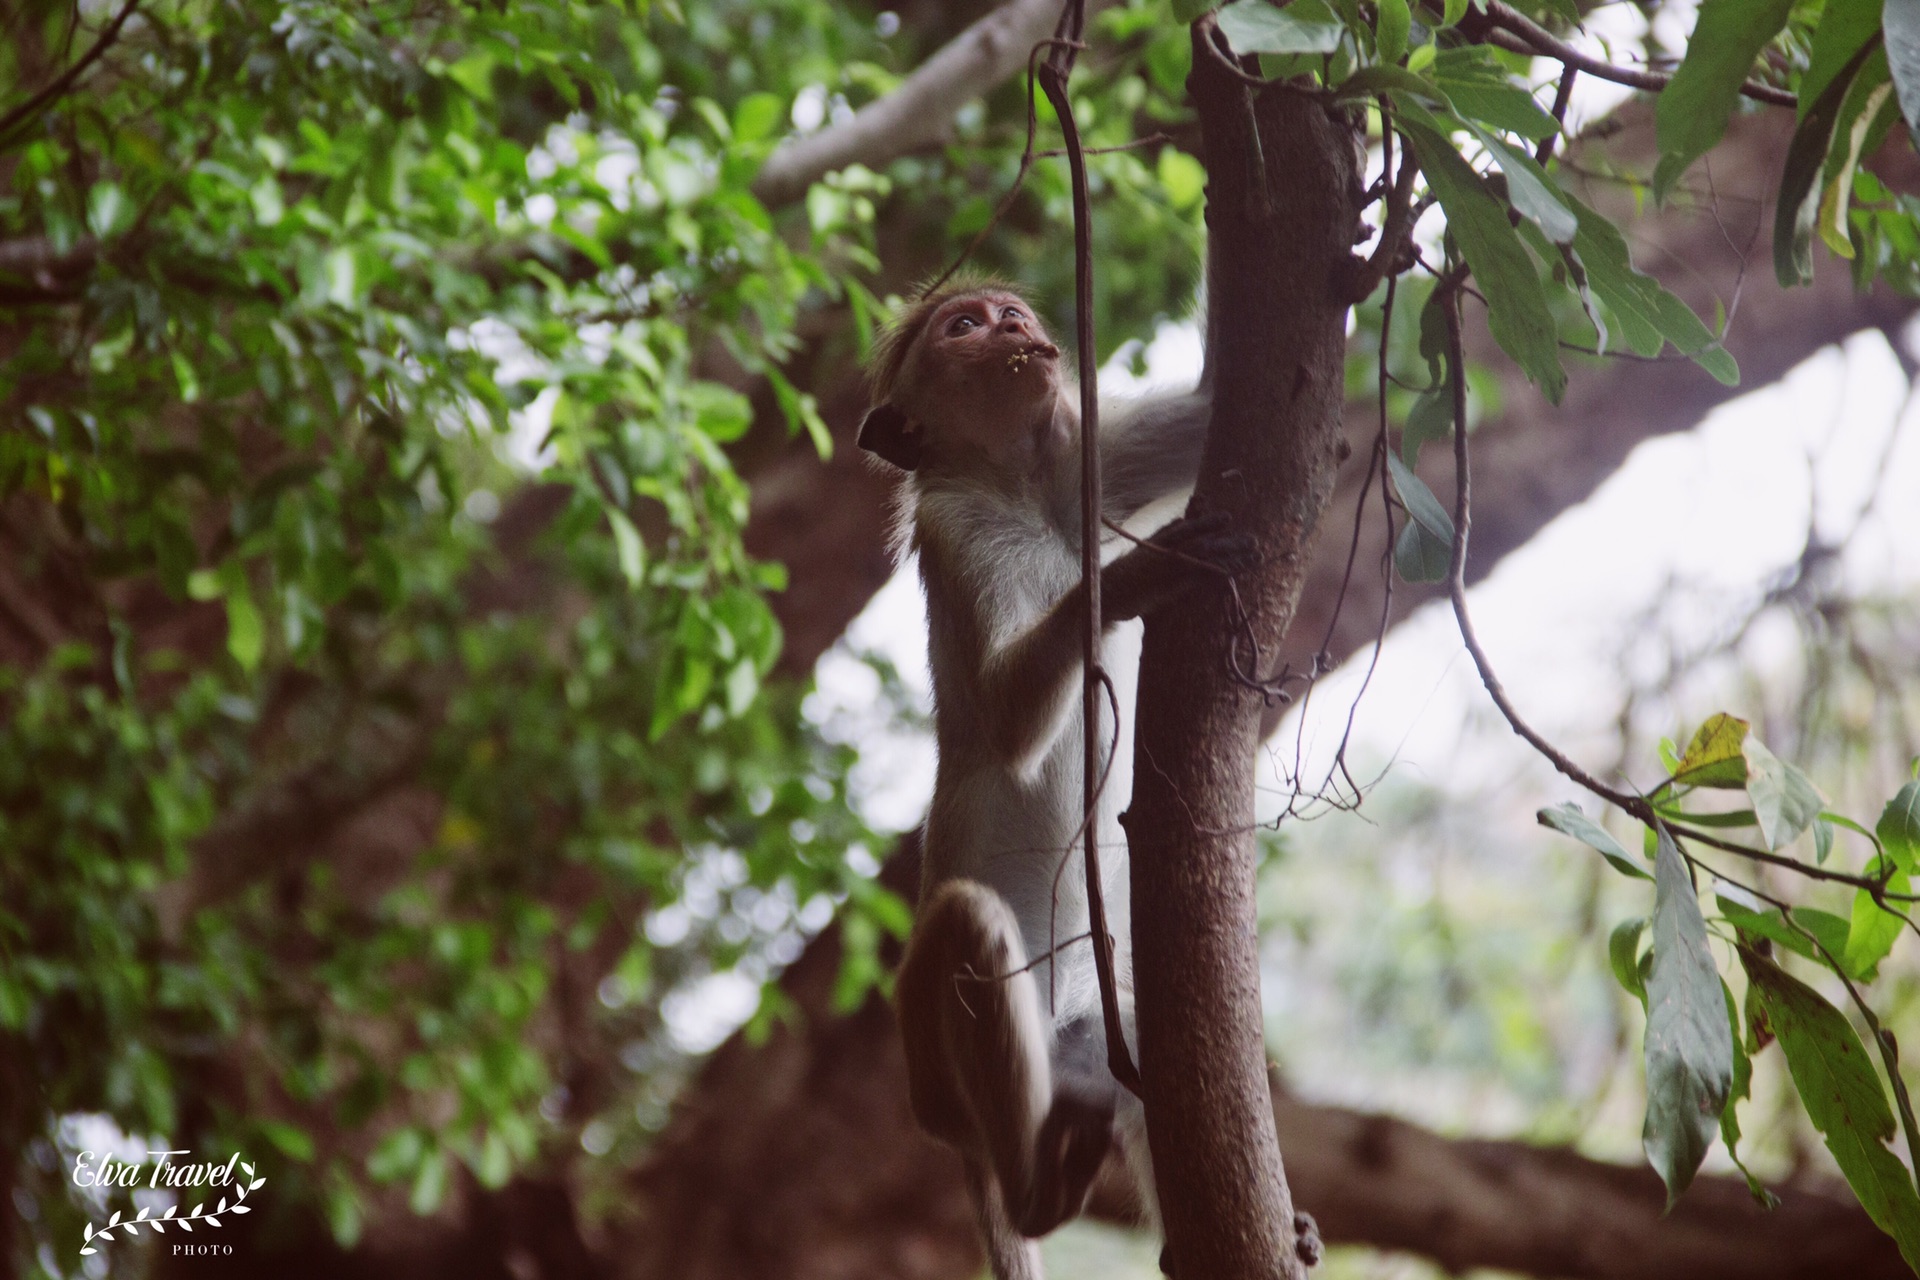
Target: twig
[
  {"x": 1053, "y": 81},
  {"x": 65, "y": 80},
  {"x": 1638, "y": 806},
  {"x": 1533, "y": 38},
  {"x": 1395, "y": 227},
  {"x": 1561, "y": 97}
]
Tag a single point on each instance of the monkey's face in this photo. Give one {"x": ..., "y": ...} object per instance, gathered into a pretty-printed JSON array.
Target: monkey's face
[{"x": 982, "y": 378}]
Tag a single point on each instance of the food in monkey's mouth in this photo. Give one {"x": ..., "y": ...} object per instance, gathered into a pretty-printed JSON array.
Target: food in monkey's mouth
[{"x": 1018, "y": 360}]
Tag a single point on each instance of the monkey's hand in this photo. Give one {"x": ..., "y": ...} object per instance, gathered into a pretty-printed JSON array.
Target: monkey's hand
[{"x": 1188, "y": 553}]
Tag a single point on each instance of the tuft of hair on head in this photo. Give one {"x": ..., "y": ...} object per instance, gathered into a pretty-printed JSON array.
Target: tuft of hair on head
[{"x": 897, "y": 335}]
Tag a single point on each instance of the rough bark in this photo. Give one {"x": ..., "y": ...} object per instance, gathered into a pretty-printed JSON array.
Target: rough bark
[{"x": 1280, "y": 221}]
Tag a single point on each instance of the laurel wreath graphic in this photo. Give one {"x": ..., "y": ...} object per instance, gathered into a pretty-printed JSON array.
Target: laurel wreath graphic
[{"x": 204, "y": 1216}]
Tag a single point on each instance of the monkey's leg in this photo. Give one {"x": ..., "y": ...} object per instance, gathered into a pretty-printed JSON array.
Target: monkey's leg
[
  {"x": 1078, "y": 1130},
  {"x": 1010, "y": 1255},
  {"x": 977, "y": 1068}
]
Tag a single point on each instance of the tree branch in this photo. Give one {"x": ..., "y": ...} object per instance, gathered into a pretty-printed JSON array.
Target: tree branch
[
  {"x": 1281, "y": 214},
  {"x": 65, "y": 80},
  {"x": 919, "y": 113},
  {"x": 1530, "y": 37}
]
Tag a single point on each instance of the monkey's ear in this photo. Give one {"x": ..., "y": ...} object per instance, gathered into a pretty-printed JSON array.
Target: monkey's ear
[{"x": 889, "y": 433}]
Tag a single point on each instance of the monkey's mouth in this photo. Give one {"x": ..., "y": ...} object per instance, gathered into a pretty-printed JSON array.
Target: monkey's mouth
[{"x": 1018, "y": 360}]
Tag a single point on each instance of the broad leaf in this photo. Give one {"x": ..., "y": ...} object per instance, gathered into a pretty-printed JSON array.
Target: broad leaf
[
  {"x": 1900, "y": 20},
  {"x": 1305, "y": 26},
  {"x": 1874, "y": 928},
  {"x": 1419, "y": 500},
  {"x": 1784, "y": 801},
  {"x": 1799, "y": 199},
  {"x": 1480, "y": 88},
  {"x": 1843, "y": 1097},
  {"x": 1390, "y": 30},
  {"x": 1691, "y": 116},
  {"x": 1717, "y": 755},
  {"x": 1368, "y": 81},
  {"x": 1648, "y": 315},
  {"x": 1742, "y": 1088},
  {"x": 1533, "y": 193},
  {"x": 1829, "y": 929},
  {"x": 1517, "y": 310},
  {"x": 1568, "y": 820},
  {"x": 1899, "y": 828},
  {"x": 1623, "y": 957},
  {"x": 1419, "y": 556},
  {"x": 1845, "y": 27},
  {"x": 1689, "y": 1048}
]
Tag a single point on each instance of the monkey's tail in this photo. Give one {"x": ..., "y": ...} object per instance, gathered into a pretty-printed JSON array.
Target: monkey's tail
[{"x": 1011, "y": 1255}]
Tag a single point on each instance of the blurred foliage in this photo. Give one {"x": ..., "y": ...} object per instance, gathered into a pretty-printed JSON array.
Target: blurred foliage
[{"x": 390, "y": 743}]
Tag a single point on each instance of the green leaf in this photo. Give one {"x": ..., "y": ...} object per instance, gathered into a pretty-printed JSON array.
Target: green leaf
[
  {"x": 1533, "y": 193},
  {"x": 1742, "y": 1088},
  {"x": 295, "y": 1143},
  {"x": 1390, "y": 30},
  {"x": 1418, "y": 556},
  {"x": 1480, "y": 88},
  {"x": 246, "y": 632},
  {"x": 1784, "y": 801},
  {"x": 1845, "y": 27},
  {"x": 1368, "y": 81},
  {"x": 429, "y": 1184},
  {"x": 1843, "y": 1097},
  {"x": 1874, "y": 928},
  {"x": 1864, "y": 118},
  {"x": 1899, "y": 828},
  {"x": 1185, "y": 11},
  {"x": 1182, "y": 177},
  {"x": 1648, "y": 315},
  {"x": 1516, "y": 304},
  {"x": 1419, "y": 501},
  {"x": 1691, "y": 115},
  {"x": 1689, "y": 1050},
  {"x": 1716, "y": 757},
  {"x": 1568, "y": 820},
  {"x": 1799, "y": 201},
  {"x": 723, "y": 413},
  {"x": 632, "y": 551},
  {"x": 1305, "y": 26},
  {"x": 1623, "y": 957},
  {"x": 1829, "y": 929},
  {"x": 756, "y": 116},
  {"x": 1900, "y": 19},
  {"x": 1431, "y": 418}
]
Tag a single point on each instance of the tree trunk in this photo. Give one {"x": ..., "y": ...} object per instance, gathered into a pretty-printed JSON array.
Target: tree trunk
[{"x": 1280, "y": 219}]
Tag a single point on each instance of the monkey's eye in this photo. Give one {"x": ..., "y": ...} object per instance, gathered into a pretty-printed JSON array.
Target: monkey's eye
[
  {"x": 960, "y": 324},
  {"x": 1012, "y": 313}
]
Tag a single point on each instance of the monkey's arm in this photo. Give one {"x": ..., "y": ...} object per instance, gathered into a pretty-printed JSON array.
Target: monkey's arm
[
  {"x": 1149, "y": 449},
  {"x": 1026, "y": 680}
]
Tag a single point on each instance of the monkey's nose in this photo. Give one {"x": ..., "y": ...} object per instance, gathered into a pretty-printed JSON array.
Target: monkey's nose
[{"x": 1014, "y": 327}]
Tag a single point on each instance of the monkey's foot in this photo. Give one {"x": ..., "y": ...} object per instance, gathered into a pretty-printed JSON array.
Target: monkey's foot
[
  {"x": 1306, "y": 1239},
  {"x": 1073, "y": 1144}
]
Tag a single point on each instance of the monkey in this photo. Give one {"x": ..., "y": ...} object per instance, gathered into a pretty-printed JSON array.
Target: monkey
[{"x": 998, "y": 1002}]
